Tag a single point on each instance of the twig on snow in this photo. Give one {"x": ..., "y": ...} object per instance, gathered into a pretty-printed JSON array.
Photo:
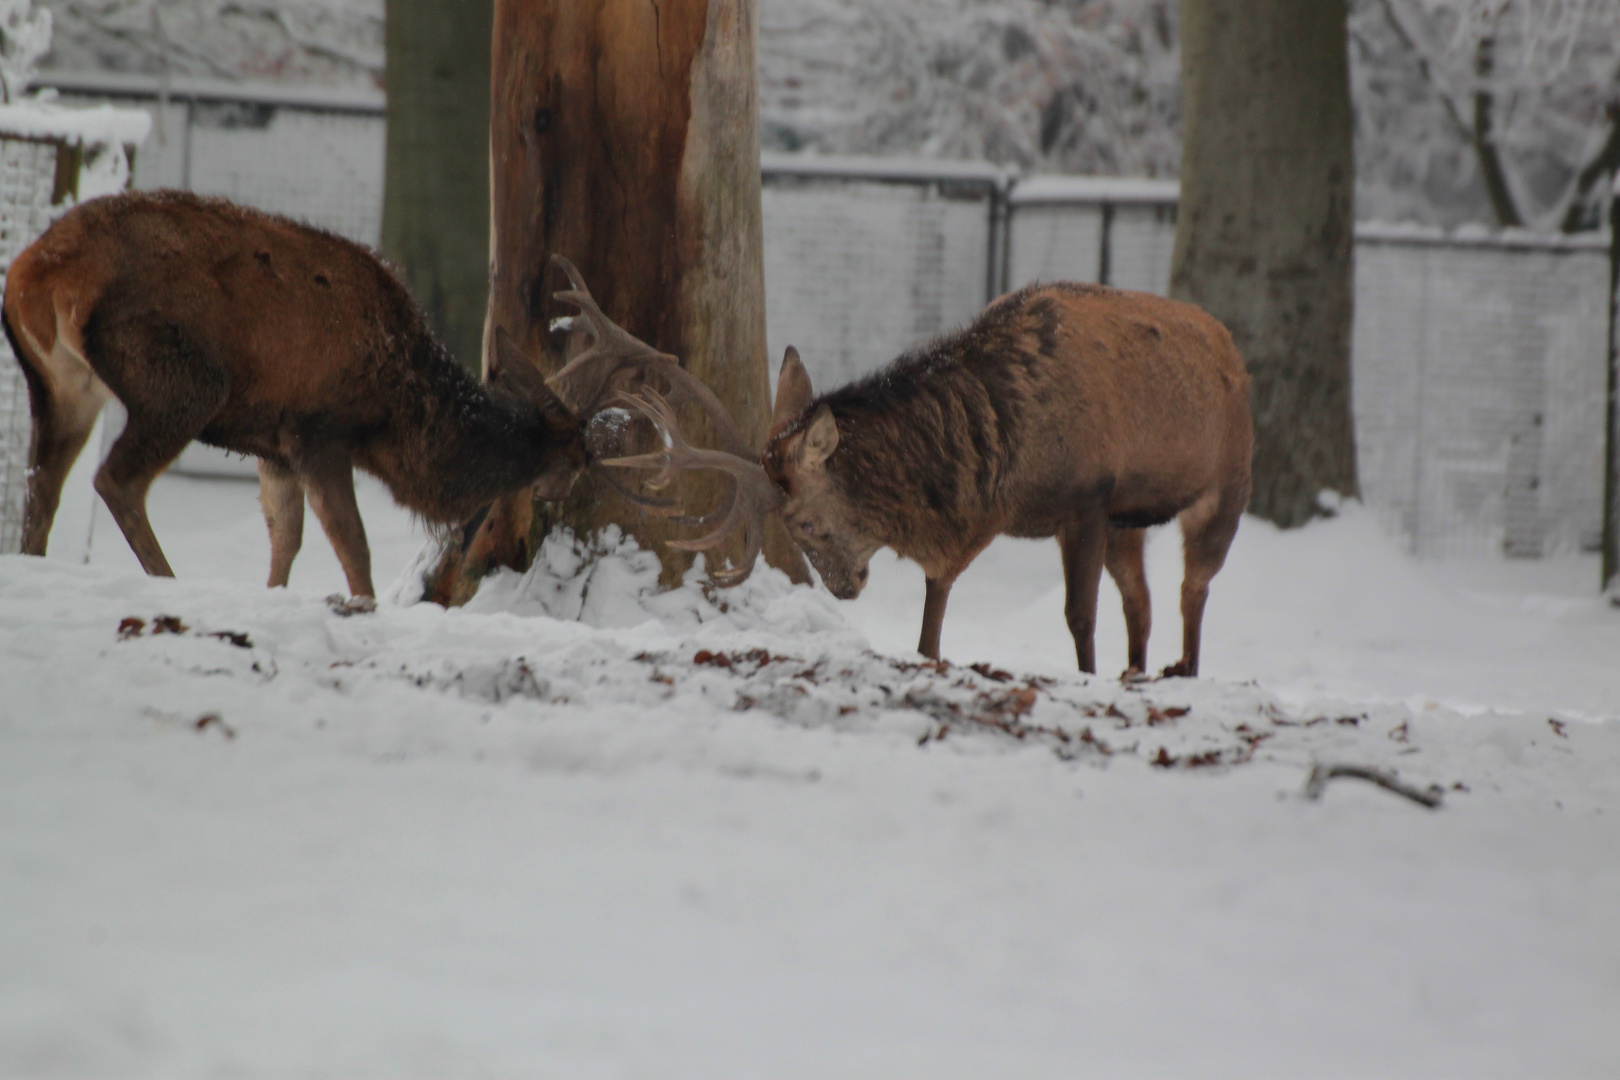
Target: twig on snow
[{"x": 1321, "y": 774}]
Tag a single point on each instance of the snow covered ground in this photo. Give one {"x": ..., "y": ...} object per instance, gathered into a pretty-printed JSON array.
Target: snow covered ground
[{"x": 751, "y": 835}]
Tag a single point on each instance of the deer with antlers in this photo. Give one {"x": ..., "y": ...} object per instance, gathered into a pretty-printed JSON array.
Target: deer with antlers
[
  {"x": 251, "y": 332},
  {"x": 1076, "y": 411}
]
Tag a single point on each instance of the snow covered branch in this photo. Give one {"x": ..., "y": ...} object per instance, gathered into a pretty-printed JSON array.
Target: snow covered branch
[{"x": 25, "y": 36}]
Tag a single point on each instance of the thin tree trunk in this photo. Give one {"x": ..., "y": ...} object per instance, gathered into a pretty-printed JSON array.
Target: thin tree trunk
[
  {"x": 625, "y": 135},
  {"x": 1492, "y": 168},
  {"x": 436, "y": 196},
  {"x": 1265, "y": 227}
]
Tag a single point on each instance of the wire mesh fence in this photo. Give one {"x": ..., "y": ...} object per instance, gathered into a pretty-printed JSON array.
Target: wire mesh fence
[{"x": 1479, "y": 362}]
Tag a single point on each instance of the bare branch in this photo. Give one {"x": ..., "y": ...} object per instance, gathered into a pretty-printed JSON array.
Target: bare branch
[{"x": 1317, "y": 782}]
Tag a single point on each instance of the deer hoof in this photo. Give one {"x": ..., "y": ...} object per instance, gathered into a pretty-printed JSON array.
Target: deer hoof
[
  {"x": 1132, "y": 675},
  {"x": 352, "y": 605},
  {"x": 1178, "y": 670}
]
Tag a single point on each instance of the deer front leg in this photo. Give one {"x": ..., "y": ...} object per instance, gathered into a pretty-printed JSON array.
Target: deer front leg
[
  {"x": 329, "y": 483},
  {"x": 938, "y": 592},
  {"x": 1084, "y": 540},
  {"x": 281, "y": 496}
]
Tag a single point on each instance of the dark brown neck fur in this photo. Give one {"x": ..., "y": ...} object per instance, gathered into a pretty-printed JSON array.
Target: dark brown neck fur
[{"x": 926, "y": 444}]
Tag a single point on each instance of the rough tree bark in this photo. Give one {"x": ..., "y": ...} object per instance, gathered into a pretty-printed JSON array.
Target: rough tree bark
[
  {"x": 435, "y": 222},
  {"x": 1265, "y": 227},
  {"x": 625, "y": 135}
]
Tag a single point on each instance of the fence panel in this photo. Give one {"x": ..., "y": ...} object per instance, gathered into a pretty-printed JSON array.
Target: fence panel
[
  {"x": 864, "y": 259},
  {"x": 27, "y": 183},
  {"x": 1479, "y": 389}
]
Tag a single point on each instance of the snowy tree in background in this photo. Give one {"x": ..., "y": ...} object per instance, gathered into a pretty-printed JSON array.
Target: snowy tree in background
[
  {"x": 1500, "y": 110},
  {"x": 333, "y": 42},
  {"x": 25, "y": 36},
  {"x": 1086, "y": 86}
]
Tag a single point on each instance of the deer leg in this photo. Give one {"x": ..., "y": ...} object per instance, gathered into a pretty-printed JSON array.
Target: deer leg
[
  {"x": 329, "y": 483},
  {"x": 144, "y": 450},
  {"x": 62, "y": 424},
  {"x": 1207, "y": 528},
  {"x": 281, "y": 496},
  {"x": 939, "y": 591},
  {"x": 1124, "y": 562},
  {"x": 1084, "y": 540},
  {"x": 171, "y": 389},
  {"x": 934, "y": 599}
]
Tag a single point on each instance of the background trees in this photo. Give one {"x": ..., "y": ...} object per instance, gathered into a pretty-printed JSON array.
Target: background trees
[
  {"x": 1499, "y": 110},
  {"x": 435, "y": 222},
  {"x": 625, "y": 136},
  {"x": 1265, "y": 228}
]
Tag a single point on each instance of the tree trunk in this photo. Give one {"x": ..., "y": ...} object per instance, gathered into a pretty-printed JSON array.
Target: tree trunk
[
  {"x": 625, "y": 135},
  {"x": 436, "y": 197},
  {"x": 1266, "y": 224}
]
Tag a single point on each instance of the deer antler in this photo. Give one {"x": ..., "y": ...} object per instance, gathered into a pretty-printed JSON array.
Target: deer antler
[
  {"x": 586, "y": 382},
  {"x": 753, "y": 495}
]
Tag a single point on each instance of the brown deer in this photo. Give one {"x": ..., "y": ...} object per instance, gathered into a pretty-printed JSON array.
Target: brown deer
[
  {"x": 1076, "y": 411},
  {"x": 254, "y": 333}
]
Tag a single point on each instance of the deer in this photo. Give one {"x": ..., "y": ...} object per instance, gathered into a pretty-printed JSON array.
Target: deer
[
  {"x": 1064, "y": 410},
  {"x": 248, "y": 331}
]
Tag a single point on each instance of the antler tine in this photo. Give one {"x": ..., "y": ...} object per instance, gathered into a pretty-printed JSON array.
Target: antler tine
[
  {"x": 583, "y": 381},
  {"x": 753, "y": 495}
]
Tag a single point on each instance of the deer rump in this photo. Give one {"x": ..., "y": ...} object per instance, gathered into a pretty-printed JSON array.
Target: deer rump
[
  {"x": 1076, "y": 411},
  {"x": 251, "y": 332}
]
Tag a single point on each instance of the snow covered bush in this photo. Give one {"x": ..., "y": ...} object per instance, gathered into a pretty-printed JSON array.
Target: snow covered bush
[
  {"x": 1079, "y": 86},
  {"x": 25, "y": 36},
  {"x": 334, "y": 42}
]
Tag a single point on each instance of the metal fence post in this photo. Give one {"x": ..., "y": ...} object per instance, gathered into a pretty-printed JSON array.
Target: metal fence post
[{"x": 1611, "y": 441}]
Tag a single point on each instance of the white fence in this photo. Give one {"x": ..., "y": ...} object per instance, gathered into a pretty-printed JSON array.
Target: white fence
[{"x": 1479, "y": 361}]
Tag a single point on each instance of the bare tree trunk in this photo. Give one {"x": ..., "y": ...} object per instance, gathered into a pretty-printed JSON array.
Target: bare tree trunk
[
  {"x": 436, "y": 196},
  {"x": 1265, "y": 228},
  {"x": 625, "y": 135}
]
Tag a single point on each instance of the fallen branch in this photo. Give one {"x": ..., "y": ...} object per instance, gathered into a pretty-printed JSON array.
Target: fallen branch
[{"x": 1321, "y": 774}]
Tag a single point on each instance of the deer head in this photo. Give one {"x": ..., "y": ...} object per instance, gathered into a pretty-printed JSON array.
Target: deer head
[{"x": 790, "y": 478}]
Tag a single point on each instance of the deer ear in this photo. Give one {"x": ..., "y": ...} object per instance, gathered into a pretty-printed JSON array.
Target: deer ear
[
  {"x": 820, "y": 438},
  {"x": 519, "y": 376},
  {"x": 793, "y": 391}
]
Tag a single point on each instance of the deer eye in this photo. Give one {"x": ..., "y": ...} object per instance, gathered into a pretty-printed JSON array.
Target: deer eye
[{"x": 807, "y": 527}]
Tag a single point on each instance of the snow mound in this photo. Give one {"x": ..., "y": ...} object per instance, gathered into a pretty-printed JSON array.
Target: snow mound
[{"x": 609, "y": 581}]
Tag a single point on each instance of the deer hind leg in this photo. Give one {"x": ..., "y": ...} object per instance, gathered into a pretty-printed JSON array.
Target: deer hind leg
[
  {"x": 1084, "y": 541},
  {"x": 1124, "y": 562},
  {"x": 1207, "y": 528},
  {"x": 65, "y": 397},
  {"x": 329, "y": 482},
  {"x": 171, "y": 390},
  {"x": 281, "y": 496},
  {"x": 63, "y": 419}
]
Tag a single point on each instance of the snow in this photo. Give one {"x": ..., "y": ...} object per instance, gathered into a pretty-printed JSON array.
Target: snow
[
  {"x": 99, "y": 124},
  {"x": 1113, "y": 189},
  {"x": 751, "y": 833}
]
